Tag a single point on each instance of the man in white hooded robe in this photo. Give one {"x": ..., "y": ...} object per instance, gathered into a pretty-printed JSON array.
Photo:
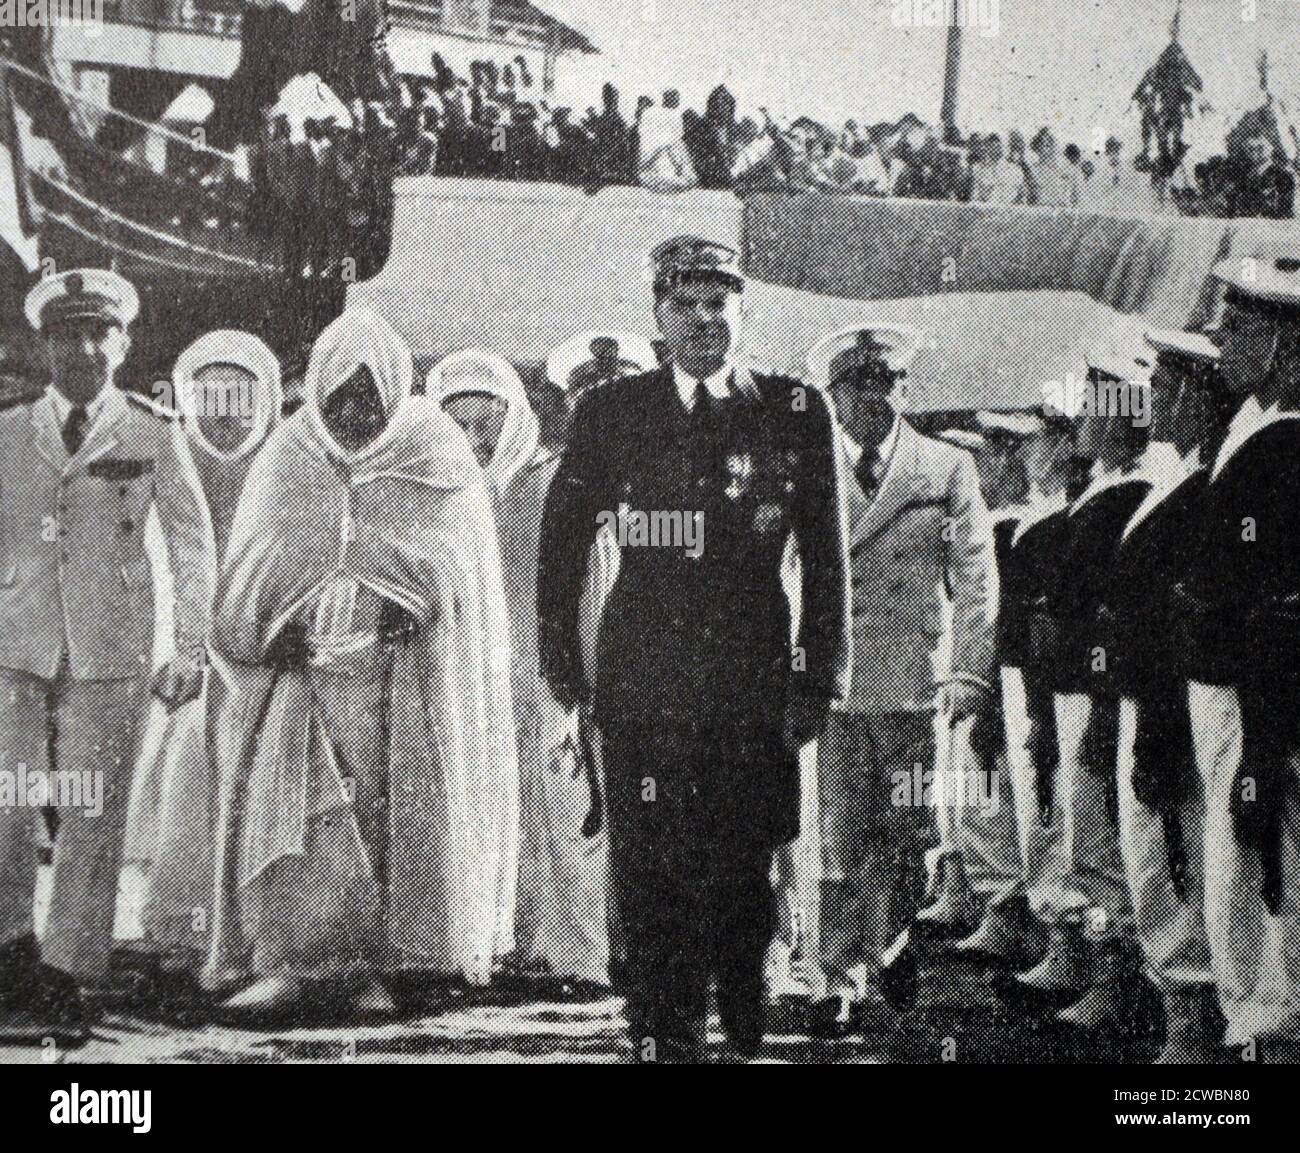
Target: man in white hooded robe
[
  {"x": 369, "y": 785},
  {"x": 228, "y": 390},
  {"x": 562, "y": 921}
]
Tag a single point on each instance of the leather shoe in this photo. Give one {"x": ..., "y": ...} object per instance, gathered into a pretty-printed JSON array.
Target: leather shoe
[
  {"x": 1060, "y": 970},
  {"x": 834, "y": 1018},
  {"x": 743, "y": 1016},
  {"x": 37, "y": 1001},
  {"x": 1103, "y": 1007},
  {"x": 954, "y": 904},
  {"x": 271, "y": 999},
  {"x": 1001, "y": 935},
  {"x": 373, "y": 1000},
  {"x": 1188, "y": 1040}
]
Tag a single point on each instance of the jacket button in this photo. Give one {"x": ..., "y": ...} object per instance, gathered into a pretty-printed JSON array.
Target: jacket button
[
  {"x": 123, "y": 490},
  {"x": 128, "y": 525},
  {"x": 65, "y": 556}
]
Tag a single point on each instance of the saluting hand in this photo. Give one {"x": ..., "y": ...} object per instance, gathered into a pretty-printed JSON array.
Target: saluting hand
[{"x": 178, "y": 682}]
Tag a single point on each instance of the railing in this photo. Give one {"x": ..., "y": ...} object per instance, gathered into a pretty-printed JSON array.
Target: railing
[
  {"x": 203, "y": 21},
  {"x": 415, "y": 15}
]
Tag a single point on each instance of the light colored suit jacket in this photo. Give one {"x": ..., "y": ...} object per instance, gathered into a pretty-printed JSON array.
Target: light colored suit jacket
[
  {"x": 924, "y": 578},
  {"x": 74, "y": 574}
]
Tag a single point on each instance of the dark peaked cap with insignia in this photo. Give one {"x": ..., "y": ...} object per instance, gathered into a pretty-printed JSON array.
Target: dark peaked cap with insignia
[
  {"x": 692, "y": 258},
  {"x": 82, "y": 294}
]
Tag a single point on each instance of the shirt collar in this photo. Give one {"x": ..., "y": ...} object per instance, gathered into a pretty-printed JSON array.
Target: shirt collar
[
  {"x": 63, "y": 406},
  {"x": 1102, "y": 478},
  {"x": 1163, "y": 464},
  {"x": 1046, "y": 503},
  {"x": 1041, "y": 506},
  {"x": 718, "y": 385},
  {"x": 852, "y": 449},
  {"x": 883, "y": 453},
  {"x": 1167, "y": 470},
  {"x": 1249, "y": 419}
]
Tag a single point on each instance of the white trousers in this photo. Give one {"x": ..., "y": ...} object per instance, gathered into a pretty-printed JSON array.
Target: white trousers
[
  {"x": 1089, "y": 833},
  {"x": 1255, "y": 955},
  {"x": 1042, "y": 852},
  {"x": 794, "y": 961},
  {"x": 1170, "y": 930},
  {"x": 981, "y": 810}
]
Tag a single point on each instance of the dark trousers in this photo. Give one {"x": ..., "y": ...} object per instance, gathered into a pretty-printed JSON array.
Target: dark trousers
[{"x": 692, "y": 883}]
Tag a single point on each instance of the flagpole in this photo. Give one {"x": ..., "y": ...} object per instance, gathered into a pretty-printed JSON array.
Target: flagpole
[{"x": 951, "y": 75}]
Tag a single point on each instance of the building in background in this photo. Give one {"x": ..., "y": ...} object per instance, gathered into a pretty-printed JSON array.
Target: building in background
[{"x": 148, "y": 51}]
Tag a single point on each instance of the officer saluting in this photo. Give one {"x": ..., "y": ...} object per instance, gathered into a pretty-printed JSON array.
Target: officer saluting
[
  {"x": 700, "y": 700},
  {"x": 80, "y": 470}
]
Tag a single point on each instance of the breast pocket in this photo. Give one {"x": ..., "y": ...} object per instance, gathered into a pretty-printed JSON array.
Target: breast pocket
[
  {"x": 126, "y": 487},
  {"x": 920, "y": 533}
]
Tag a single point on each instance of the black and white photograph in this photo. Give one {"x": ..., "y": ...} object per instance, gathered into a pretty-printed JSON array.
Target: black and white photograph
[{"x": 651, "y": 532}]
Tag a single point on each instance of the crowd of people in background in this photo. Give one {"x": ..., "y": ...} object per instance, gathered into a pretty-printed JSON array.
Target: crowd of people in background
[
  {"x": 319, "y": 165},
  {"x": 495, "y": 124}
]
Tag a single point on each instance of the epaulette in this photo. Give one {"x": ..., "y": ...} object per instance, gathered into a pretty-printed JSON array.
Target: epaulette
[{"x": 149, "y": 405}]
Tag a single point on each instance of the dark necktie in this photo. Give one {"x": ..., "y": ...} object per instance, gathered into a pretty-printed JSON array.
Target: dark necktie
[
  {"x": 74, "y": 429},
  {"x": 705, "y": 401},
  {"x": 867, "y": 474}
]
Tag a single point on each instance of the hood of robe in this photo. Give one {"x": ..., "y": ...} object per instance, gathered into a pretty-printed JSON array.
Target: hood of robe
[
  {"x": 360, "y": 338},
  {"x": 475, "y": 371},
  {"x": 384, "y": 515},
  {"x": 243, "y": 350}
]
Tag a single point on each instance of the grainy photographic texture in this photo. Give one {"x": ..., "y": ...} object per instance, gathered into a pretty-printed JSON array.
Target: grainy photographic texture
[{"x": 650, "y": 532}]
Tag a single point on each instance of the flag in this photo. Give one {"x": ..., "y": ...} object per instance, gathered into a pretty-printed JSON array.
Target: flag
[{"x": 17, "y": 228}]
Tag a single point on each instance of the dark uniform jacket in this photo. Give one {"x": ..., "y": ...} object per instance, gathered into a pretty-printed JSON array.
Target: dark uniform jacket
[
  {"x": 1010, "y": 612},
  {"x": 1028, "y": 572},
  {"x": 1235, "y": 620},
  {"x": 1150, "y": 559},
  {"x": 1074, "y": 643},
  {"x": 1028, "y": 568},
  {"x": 1074, "y": 597},
  {"x": 1148, "y": 562},
  {"x": 1246, "y": 562},
  {"x": 702, "y": 641}
]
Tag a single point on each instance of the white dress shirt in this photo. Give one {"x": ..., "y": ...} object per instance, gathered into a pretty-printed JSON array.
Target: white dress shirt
[
  {"x": 63, "y": 407},
  {"x": 882, "y": 456},
  {"x": 718, "y": 385}
]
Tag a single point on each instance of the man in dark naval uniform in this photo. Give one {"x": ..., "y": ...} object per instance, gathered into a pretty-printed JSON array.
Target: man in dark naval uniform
[
  {"x": 703, "y": 470},
  {"x": 1090, "y": 924},
  {"x": 1161, "y": 805},
  {"x": 1029, "y": 555},
  {"x": 1235, "y": 624}
]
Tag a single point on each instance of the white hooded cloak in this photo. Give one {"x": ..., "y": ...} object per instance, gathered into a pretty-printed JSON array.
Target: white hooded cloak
[{"x": 406, "y": 519}]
